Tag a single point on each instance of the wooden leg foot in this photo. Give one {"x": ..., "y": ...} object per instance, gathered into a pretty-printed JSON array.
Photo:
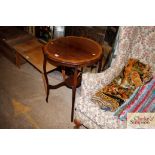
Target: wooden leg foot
[
  {"x": 47, "y": 99},
  {"x": 77, "y": 124}
]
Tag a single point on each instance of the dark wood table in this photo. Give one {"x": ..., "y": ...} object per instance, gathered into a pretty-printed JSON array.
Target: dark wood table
[{"x": 73, "y": 52}]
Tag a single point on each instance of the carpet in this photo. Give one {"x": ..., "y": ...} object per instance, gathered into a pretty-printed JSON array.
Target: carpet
[{"x": 22, "y": 99}]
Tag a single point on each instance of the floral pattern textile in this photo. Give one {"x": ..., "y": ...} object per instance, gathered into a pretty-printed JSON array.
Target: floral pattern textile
[
  {"x": 133, "y": 75},
  {"x": 133, "y": 42},
  {"x": 99, "y": 118}
]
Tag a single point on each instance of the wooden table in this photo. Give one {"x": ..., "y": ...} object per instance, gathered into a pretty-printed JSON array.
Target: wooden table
[
  {"x": 74, "y": 52},
  {"x": 19, "y": 45}
]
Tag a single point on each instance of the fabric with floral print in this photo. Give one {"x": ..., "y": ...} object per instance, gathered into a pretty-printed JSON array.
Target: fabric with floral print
[
  {"x": 113, "y": 95},
  {"x": 134, "y": 42}
]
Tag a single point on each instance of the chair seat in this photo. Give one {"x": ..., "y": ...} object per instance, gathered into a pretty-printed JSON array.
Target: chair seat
[{"x": 93, "y": 117}]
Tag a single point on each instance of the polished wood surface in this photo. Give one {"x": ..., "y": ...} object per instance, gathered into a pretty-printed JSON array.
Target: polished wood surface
[
  {"x": 19, "y": 44},
  {"x": 31, "y": 50},
  {"x": 74, "y": 52}
]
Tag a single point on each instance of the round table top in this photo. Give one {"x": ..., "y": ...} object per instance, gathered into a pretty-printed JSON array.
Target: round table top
[{"x": 73, "y": 51}]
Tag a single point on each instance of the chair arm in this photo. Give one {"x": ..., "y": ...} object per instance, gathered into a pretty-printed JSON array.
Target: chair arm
[{"x": 91, "y": 82}]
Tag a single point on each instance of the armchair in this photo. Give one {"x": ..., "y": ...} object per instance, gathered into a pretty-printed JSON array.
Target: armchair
[{"x": 133, "y": 42}]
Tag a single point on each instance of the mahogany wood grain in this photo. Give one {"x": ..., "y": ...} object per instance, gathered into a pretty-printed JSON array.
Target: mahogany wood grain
[{"x": 74, "y": 52}]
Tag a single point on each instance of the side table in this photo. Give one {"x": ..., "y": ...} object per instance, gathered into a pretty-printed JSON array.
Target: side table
[{"x": 74, "y": 52}]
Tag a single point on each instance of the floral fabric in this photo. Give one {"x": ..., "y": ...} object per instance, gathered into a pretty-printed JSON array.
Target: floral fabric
[
  {"x": 133, "y": 42},
  {"x": 134, "y": 74},
  {"x": 95, "y": 117}
]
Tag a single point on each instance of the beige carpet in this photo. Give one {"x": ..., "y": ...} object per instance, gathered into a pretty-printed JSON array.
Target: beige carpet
[{"x": 22, "y": 99}]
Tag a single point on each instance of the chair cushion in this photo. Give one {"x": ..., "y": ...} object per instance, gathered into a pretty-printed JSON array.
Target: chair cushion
[
  {"x": 143, "y": 100},
  {"x": 133, "y": 75},
  {"x": 91, "y": 116}
]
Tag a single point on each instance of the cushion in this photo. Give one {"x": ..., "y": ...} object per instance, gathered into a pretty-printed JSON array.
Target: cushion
[
  {"x": 142, "y": 101},
  {"x": 133, "y": 75}
]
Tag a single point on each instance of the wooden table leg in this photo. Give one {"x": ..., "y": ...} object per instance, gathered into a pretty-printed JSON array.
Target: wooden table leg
[
  {"x": 45, "y": 84},
  {"x": 63, "y": 73},
  {"x": 74, "y": 92},
  {"x": 100, "y": 65},
  {"x": 45, "y": 77}
]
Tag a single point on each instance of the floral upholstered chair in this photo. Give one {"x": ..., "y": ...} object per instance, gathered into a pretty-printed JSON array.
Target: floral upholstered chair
[{"x": 133, "y": 42}]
